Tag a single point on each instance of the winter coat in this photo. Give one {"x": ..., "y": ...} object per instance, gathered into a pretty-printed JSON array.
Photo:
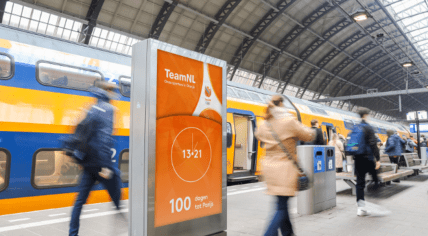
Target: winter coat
[
  {"x": 282, "y": 181},
  {"x": 393, "y": 145},
  {"x": 410, "y": 145},
  {"x": 338, "y": 151}
]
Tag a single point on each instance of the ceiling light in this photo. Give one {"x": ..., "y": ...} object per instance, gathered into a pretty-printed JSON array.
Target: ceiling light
[
  {"x": 360, "y": 16},
  {"x": 407, "y": 64}
]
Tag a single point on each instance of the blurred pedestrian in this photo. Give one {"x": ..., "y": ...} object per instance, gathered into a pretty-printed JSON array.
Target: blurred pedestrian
[
  {"x": 319, "y": 139},
  {"x": 368, "y": 162},
  {"x": 97, "y": 128},
  {"x": 410, "y": 145},
  {"x": 339, "y": 155},
  {"x": 393, "y": 148},
  {"x": 279, "y": 171},
  {"x": 345, "y": 161}
]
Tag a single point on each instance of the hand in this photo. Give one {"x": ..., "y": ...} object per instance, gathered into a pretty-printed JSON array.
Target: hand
[{"x": 377, "y": 165}]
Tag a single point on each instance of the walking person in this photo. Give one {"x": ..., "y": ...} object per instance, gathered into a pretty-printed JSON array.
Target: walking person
[
  {"x": 280, "y": 172},
  {"x": 410, "y": 145},
  {"x": 345, "y": 161},
  {"x": 96, "y": 130},
  {"x": 366, "y": 162},
  {"x": 393, "y": 148},
  {"x": 319, "y": 139},
  {"x": 338, "y": 149}
]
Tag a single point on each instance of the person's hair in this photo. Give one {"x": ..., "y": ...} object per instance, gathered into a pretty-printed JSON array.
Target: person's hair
[
  {"x": 390, "y": 132},
  {"x": 314, "y": 122},
  {"x": 274, "y": 102},
  {"x": 362, "y": 111}
]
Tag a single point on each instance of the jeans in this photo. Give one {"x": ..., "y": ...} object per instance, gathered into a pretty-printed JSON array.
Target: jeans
[
  {"x": 394, "y": 160},
  {"x": 362, "y": 167},
  {"x": 281, "y": 219},
  {"x": 90, "y": 176}
]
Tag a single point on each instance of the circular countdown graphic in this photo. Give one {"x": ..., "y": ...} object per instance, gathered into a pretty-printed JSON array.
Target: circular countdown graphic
[{"x": 191, "y": 154}]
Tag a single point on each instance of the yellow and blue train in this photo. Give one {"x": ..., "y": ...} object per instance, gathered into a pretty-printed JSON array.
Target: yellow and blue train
[{"x": 44, "y": 85}]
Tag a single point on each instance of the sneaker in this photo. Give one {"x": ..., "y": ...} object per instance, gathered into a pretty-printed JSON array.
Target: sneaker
[{"x": 362, "y": 212}]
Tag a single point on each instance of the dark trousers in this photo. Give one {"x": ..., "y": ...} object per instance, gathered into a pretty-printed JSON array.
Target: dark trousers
[
  {"x": 90, "y": 176},
  {"x": 394, "y": 160},
  {"x": 281, "y": 219},
  {"x": 362, "y": 167}
]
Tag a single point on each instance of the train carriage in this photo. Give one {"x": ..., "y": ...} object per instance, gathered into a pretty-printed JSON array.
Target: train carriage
[{"x": 44, "y": 85}]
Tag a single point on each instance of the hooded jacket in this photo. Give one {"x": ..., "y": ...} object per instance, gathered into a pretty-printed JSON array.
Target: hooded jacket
[{"x": 393, "y": 145}]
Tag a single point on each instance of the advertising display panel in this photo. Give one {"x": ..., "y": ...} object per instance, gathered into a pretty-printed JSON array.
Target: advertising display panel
[{"x": 178, "y": 143}]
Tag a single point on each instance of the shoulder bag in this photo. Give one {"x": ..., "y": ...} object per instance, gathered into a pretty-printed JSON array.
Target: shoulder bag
[{"x": 303, "y": 180}]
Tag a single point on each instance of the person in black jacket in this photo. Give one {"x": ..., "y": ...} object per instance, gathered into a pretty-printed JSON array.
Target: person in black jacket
[
  {"x": 319, "y": 139},
  {"x": 366, "y": 163},
  {"x": 97, "y": 128}
]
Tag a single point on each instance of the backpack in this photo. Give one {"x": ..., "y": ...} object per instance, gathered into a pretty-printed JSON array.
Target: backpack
[{"x": 357, "y": 143}]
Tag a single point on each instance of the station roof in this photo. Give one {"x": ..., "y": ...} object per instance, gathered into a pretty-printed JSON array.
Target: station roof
[{"x": 310, "y": 49}]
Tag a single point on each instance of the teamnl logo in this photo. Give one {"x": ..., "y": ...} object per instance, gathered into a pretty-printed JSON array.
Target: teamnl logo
[{"x": 207, "y": 95}]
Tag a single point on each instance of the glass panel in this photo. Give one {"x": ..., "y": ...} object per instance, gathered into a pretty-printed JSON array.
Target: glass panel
[
  {"x": 125, "y": 86},
  {"x": 3, "y": 169},
  {"x": 5, "y": 67},
  {"x": 64, "y": 76},
  {"x": 55, "y": 169},
  {"x": 318, "y": 111},
  {"x": 255, "y": 97},
  {"x": 124, "y": 166},
  {"x": 242, "y": 94},
  {"x": 349, "y": 124},
  {"x": 231, "y": 93}
]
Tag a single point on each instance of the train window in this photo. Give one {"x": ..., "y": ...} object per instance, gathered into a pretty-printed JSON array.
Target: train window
[
  {"x": 231, "y": 93},
  {"x": 53, "y": 169},
  {"x": 255, "y": 97},
  {"x": 6, "y": 66},
  {"x": 229, "y": 134},
  {"x": 125, "y": 86},
  {"x": 349, "y": 124},
  {"x": 242, "y": 94},
  {"x": 124, "y": 165},
  {"x": 4, "y": 168},
  {"x": 318, "y": 111},
  {"x": 66, "y": 76}
]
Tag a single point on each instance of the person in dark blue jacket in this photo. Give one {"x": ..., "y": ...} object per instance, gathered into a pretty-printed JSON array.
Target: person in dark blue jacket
[
  {"x": 98, "y": 166},
  {"x": 393, "y": 147}
]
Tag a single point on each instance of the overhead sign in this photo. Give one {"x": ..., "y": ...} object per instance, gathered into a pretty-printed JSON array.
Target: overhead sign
[
  {"x": 411, "y": 115},
  {"x": 177, "y": 130},
  {"x": 422, "y": 115},
  {"x": 423, "y": 128}
]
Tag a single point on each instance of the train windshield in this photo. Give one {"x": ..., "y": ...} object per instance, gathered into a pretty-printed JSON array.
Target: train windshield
[{"x": 125, "y": 86}]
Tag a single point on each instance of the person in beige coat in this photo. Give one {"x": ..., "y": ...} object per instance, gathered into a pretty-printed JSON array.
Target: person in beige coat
[
  {"x": 280, "y": 173},
  {"x": 338, "y": 151}
]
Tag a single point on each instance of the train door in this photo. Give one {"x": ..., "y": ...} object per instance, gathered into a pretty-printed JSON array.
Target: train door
[
  {"x": 244, "y": 143},
  {"x": 327, "y": 130}
]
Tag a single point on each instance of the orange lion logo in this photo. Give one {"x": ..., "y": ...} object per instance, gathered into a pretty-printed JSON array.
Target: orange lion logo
[{"x": 207, "y": 91}]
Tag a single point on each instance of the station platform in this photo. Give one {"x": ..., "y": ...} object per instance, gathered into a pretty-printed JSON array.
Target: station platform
[{"x": 250, "y": 210}]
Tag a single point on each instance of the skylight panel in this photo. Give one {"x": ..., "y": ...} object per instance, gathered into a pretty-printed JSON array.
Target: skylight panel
[{"x": 35, "y": 20}]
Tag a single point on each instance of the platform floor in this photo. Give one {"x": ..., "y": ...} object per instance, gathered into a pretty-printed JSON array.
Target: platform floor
[{"x": 249, "y": 211}]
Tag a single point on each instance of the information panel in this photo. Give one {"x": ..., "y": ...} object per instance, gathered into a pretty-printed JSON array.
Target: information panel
[
  {"x": 422, "y": 126},
  {"x": 189, "y": 139},
  {"x": 177, "y": 142}
]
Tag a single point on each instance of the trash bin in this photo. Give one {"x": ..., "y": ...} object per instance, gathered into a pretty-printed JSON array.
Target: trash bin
[{"x": 319, "y": 164}]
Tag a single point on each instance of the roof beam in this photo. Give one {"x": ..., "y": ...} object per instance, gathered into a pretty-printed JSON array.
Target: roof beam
[
  {"x": 213, "y": 27},
  {"x": 2, "y": 9},
  {"x": 294, "y": 34},
  {"x": 257, "y": 31},
  {"x": 91, "y": 16},
  {"x": 373, "y": 95},
  {"x": 162, "y": 18}
]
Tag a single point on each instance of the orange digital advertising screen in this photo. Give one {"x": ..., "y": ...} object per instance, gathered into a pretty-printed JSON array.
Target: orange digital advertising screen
[{"x": 188, "y": 139}]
